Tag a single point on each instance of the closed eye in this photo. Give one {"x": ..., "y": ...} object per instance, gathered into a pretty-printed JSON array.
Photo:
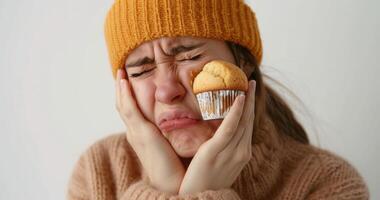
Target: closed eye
[
  {"x": 191, "y": 58},
  {"x": 134, "y": 75}
]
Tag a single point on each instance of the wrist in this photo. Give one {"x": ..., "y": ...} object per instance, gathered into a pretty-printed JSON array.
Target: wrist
[{"x": 166, "y": 186}]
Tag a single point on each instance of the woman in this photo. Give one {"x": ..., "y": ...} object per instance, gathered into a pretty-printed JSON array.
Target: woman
[{"x": 259, "y": 151}]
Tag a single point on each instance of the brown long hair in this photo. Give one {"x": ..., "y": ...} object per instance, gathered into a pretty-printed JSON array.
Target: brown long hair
[{"x": 267, "y": 100}]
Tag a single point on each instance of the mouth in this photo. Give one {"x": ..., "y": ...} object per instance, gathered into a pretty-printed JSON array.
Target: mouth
[
  {"x": 179, "y": 123},
  {"x": 177, "y": 119}
]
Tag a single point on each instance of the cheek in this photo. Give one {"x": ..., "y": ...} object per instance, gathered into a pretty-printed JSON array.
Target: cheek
[
  {"x": 188, "y": 72},
  {"x": 144, "y": 95}
]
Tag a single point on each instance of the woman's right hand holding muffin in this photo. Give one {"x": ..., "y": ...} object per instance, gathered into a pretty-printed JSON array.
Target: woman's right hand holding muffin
[{"x": 164, "y": 168}]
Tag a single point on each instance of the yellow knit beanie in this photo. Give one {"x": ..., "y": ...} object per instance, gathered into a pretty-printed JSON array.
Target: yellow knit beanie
[{"x": 132, "y": 22}]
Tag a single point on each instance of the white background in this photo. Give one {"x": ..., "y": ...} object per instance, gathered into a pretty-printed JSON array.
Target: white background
[{"x": 57, "y": 94}]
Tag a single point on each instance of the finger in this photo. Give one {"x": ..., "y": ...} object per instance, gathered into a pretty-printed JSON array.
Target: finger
[
  {"x": 228, "y": 126},
  {"x": 121, "y": 74},
  {"x": 245, "y": 122},
  {"x": 117, "y": 88},
  {"x": 128, "y": 106}
]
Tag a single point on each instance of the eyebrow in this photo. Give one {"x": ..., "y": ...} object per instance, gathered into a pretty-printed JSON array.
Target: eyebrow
[
  {"x": 182, "y": 48},
  {"x": 140, "y": 61},
  {"x": 172, "y": 52}
]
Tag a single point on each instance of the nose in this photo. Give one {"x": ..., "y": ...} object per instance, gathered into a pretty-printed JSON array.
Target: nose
[{"x": 169, "y": 89}]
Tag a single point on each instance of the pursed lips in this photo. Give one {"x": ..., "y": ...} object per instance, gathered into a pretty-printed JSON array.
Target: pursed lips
[{"x": 176, "y": 119}]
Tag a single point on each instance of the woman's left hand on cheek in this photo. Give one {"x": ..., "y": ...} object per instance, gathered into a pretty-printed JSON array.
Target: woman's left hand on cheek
[{"x": 219, "y": 161}]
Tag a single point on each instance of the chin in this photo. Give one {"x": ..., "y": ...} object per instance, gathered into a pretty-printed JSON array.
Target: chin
[
  {"x": 186, "y": 153},
  {"x": 187, "y": 142}
]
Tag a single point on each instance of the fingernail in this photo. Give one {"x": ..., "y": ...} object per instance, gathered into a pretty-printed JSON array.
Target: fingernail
[
  {"x": 253, "y": 84},
  {"x": 118, "y": 73},
  {"x": 122, "y": 83},
  {"x": 242, "y": 98}
]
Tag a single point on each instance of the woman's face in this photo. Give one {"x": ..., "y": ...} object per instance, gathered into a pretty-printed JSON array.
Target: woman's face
[{"x": 159, "y": 72}]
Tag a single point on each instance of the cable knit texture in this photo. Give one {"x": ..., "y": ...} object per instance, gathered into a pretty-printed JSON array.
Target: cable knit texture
[
  {"x": 131, "y": 22},
  {"x": 280, "y": 168}
]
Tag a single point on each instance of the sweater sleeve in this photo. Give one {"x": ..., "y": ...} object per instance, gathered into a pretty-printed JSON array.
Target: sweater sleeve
[
  {"x": 91, "y": 176},
  {"x": 141, "y": 190},
  {"x": 77, "y": 188},
  {"x": 340, "y": 181}
]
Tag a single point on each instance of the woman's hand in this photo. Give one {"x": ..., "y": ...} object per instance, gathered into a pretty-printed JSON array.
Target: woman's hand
[
  {"x": 219, "y": 161},
  {"x": 164, "y": 168}
]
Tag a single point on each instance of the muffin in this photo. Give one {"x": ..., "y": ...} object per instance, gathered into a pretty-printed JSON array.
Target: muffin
[{"x": 217, "y": 86}]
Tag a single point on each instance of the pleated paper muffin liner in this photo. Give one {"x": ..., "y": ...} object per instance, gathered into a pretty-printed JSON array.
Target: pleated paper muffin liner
[{"x": 216, "y": 104}]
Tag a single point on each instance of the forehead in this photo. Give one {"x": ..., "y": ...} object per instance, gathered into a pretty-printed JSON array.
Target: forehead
[{"x": 167, "y": 43}]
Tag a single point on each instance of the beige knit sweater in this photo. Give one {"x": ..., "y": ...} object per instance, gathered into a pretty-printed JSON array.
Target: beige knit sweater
[{"x": 281, "y": 168}]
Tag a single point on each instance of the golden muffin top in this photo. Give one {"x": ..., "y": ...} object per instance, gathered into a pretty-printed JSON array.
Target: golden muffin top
[{"x": 220, "y": 75}]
